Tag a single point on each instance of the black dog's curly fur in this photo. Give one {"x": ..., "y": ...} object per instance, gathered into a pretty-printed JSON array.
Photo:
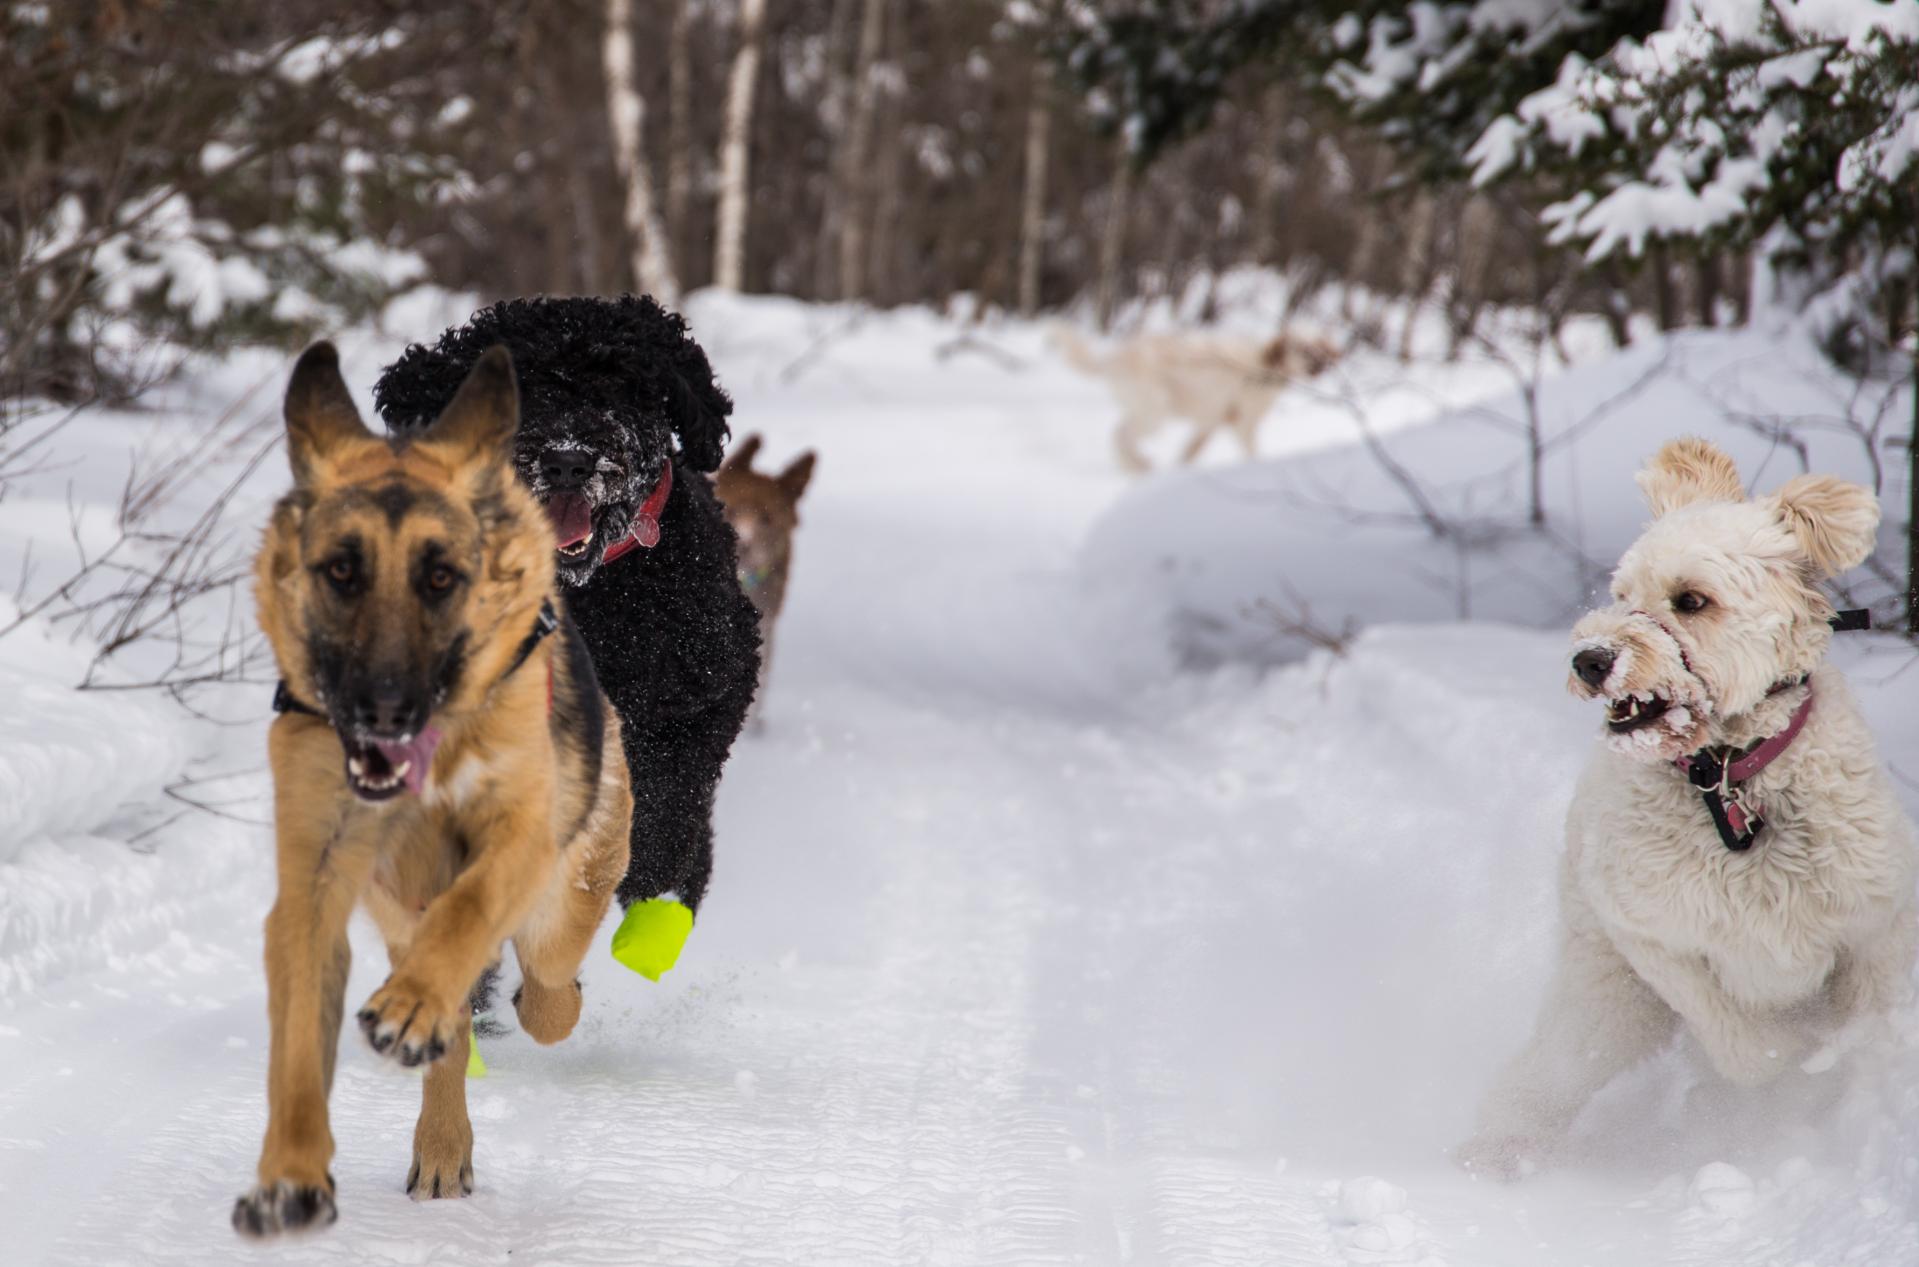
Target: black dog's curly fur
[{"x": 673, "y": 639}]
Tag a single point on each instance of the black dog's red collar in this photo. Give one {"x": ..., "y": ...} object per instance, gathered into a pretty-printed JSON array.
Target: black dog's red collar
[{"x": 645, "y": 532}]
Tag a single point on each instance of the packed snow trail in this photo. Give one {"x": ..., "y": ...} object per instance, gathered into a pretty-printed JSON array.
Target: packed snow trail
[{"x": 1021, "y": 949}]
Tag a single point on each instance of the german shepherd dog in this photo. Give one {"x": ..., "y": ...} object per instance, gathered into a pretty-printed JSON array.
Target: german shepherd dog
[{"x": 437, "y": 758}]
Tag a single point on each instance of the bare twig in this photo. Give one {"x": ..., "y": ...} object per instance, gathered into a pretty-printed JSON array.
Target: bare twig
[{"x": 1295, "y": 620}]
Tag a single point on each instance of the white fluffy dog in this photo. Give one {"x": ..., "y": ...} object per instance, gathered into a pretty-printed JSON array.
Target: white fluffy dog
[
  {"x": 1735, "y": 860},
  {"x": 1215, "y": 383}
]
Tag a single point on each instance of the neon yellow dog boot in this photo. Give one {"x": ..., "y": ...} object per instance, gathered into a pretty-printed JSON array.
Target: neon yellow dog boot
[
  {"x": 649, "y": 939},
  {"x": 475, "y": 1067}
]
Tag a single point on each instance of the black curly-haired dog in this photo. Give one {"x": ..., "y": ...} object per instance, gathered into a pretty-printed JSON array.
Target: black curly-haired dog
[{"x": 606, "y": 385}]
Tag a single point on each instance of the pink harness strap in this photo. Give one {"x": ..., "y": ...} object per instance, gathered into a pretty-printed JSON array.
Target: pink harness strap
[
  {"x": 1768, "y": 751},
  {"x": 1721, "y": 780}
]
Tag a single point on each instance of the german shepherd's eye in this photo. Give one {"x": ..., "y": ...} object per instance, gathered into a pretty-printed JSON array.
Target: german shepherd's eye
[
  {"x": 343, "y": 572},
  {"x": 440, "y": 578},
  {"x": 1690, "y": 601}
]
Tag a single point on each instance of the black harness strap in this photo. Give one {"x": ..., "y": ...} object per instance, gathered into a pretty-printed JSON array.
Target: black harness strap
[
  {"x": 1707, "y": 773},
  {"x": 544, "y": 624},
  {"x": 283, "y": 702},
  {"x": 1739, "y": 824}
]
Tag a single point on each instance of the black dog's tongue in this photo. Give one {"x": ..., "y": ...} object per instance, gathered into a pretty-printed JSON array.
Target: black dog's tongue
[{"x": 572, "y": 517}]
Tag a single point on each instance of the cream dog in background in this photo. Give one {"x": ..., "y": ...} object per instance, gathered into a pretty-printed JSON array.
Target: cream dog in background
[
  {"x": 1736, "y": 862},
  {"x": 1214, "y": 382}
]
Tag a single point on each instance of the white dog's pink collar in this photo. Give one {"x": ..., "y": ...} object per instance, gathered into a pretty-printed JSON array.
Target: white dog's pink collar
[{"x": 1720, "y": 780}]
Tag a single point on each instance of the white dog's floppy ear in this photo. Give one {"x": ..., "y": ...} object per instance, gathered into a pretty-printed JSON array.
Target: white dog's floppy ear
[
  {"x": 1687, "y": 471},
  {"x": 1836, "y": 522}
]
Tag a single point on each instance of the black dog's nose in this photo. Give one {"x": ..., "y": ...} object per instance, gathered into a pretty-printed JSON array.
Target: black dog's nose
[
  {"x": 386, "y": 711},
  {"x": 566, "y": 469},
  {"x": 1593, "y": 664}
]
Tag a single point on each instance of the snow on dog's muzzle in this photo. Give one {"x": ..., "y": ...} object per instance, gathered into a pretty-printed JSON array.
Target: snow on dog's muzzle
[{"x": 1656, "y": 706}]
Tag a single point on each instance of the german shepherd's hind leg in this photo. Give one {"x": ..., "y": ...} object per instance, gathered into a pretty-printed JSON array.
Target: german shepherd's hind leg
[
  {"x": 307, "y": 959},
  {"x": 554, "y": 941},
  {"x": 443, "y": 1137},
  {"x": 547, "y": 1012}
]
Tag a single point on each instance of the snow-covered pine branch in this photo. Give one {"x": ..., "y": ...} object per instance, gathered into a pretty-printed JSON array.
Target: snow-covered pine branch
[{"x": 1733, "y": 121}]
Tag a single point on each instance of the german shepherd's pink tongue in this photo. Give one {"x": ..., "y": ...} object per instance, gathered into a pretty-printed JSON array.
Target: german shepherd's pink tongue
[
  {"x": 572, "y": 518},
  {"x": 415, "y": 757}
]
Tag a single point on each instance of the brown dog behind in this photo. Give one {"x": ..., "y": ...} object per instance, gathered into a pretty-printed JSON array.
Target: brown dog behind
[
  {"x": 764, "y": 511},
  {"x": 438, "y": 757}
]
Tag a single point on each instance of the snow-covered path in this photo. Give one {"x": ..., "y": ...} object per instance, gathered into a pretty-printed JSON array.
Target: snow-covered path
[{"x": 1020, "y": 950}]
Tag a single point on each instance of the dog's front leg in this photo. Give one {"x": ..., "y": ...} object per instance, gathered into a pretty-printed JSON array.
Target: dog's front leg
[
  {"x": 321, "y": 872},
  {"x": 1599, "y": 1020},
  {"x": 1875, "y": 978},
  {"x": 443, "y": 1137},
  {"x": 420, "y": 1013},
  {"x": 1133, "y": 427},
  {"x": 1744, "y": 1048}
]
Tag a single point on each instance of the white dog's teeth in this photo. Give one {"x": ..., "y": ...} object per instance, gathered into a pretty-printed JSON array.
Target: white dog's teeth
[
  {"x": 399, "y": 771},
  {"x": 357, "y": 766}
]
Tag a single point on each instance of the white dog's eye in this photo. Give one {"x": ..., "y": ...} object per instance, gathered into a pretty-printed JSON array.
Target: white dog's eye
[{"x": 1691, "y": 601}]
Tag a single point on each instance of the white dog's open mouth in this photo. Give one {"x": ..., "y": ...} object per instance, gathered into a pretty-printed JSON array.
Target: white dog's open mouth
[{"x": 1635, "y": 712}]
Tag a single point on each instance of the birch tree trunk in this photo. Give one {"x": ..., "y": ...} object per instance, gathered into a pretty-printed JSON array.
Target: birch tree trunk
[
  {"x": 1112, "y": 247},
  {"x": 573, "y": 199},
  {"x": 1272, "y": 178},
  {"x": 679, "y": 127},
  {"x": 879, "y": 280},
  {"x": 855, "y": 178},
  {"x": 736, "y": 144},
  {"x": 626, "y": 110},
  {"x": 839, "y": 88},
  {"x": 1032, "y": 220}
]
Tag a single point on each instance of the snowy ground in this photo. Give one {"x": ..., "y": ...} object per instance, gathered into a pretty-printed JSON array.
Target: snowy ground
[{"x": 1024, "y": 946}]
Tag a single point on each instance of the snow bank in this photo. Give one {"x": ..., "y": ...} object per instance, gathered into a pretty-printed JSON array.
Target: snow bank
[
  {"x": 1116, "y": 938},
  {"x": 72, "y": 761},
  {"x": 102, "y": 871},
  {"x": 1232, "y": 564}
]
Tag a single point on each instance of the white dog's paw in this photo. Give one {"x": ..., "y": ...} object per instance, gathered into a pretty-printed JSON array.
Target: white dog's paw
[
  {"x": 1837, "y": 1044},
  {"x": 1505, "y": 1157},
  {"x": 1758, "y": 1061}
]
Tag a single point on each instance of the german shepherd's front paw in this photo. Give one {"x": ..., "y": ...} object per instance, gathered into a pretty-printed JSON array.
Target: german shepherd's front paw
[
  {"x": 273, "y": 1208},
  {"x": 406, "y": 1021},
  {"x": 434, "y": 1179}
]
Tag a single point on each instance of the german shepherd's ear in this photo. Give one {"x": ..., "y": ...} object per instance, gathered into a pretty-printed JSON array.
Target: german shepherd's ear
[
  {"x": 794, "y": 479},
  {"x": 484, "y": 415},
  {"x": 741, "y": 458},
  {"x": 319, "y": 412}
]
